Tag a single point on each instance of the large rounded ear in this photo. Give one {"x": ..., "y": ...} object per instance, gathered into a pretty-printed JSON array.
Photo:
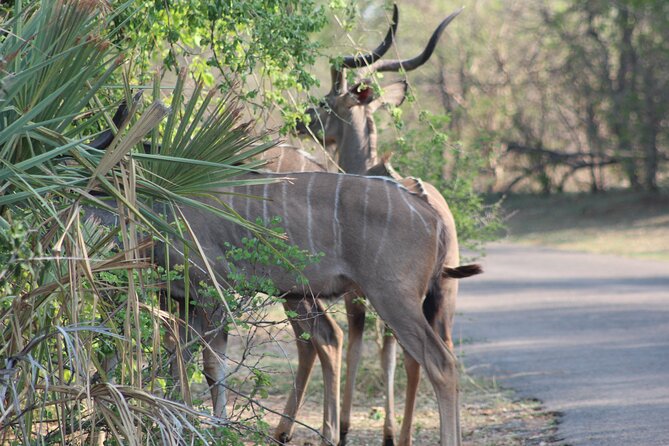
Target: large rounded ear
[
  {"x": 393, "y": 94},
  {"x": 361, "y": 93},
  {"x": 384, "y": 169}
]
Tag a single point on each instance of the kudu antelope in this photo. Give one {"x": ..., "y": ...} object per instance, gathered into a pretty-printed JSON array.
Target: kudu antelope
[{"x": 344, "y": 124}]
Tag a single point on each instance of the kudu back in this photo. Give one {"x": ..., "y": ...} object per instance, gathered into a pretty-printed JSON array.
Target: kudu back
[{"x": 287, "y": 158}]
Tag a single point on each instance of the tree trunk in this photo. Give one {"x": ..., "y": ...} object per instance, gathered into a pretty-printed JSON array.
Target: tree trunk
[
  {"x": 622, "y": 97},
  {"x": 651, "y": 130},
  {"x": 595, "y": 149}
]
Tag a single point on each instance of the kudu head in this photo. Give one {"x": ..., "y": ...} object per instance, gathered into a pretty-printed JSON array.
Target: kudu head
[{"x": 343, "y": 121}]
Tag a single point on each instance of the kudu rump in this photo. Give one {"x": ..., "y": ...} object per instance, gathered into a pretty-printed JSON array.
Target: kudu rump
[{"x": 344, "y": 124}]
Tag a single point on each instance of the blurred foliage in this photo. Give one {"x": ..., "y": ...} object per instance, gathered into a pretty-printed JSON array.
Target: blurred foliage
[
  {"x": 569, "y": 95},
  {"x": 258, "y": 48}
]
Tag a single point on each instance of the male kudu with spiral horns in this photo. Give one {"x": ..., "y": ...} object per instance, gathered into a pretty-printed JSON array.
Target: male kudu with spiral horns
[{"x": 344, "y": 124}]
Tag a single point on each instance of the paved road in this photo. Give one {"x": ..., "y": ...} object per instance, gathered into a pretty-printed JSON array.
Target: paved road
[{"x": 586, "y": 334}]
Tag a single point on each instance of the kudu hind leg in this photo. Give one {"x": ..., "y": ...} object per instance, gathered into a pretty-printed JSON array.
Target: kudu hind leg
[
  {"x": 355, "y": 312},
  {"x": 389, "y": 364},
  {"x": 412, "y": 369},
  {"x": 417, "y": 337},
  {"x": 442, "y": 324}
]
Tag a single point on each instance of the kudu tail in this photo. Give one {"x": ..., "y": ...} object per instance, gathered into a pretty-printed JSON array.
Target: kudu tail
[
  {"x": 435, "y": 297},
  {"x": 433, "y": 301},
  {"x": 462, "y": 271}
]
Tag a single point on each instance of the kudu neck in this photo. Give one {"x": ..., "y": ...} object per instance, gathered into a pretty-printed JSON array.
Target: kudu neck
[{"x": 357, "y": 147}]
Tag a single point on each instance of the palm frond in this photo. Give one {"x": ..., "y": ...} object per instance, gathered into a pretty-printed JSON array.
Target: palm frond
[{"x": 205, "y": 149}]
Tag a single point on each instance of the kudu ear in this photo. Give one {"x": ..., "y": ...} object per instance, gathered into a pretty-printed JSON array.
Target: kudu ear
[
  {"x": 361, "y": 93},
  {"x": 384, "y": 169},
  {"x": 393, "y": 94}
]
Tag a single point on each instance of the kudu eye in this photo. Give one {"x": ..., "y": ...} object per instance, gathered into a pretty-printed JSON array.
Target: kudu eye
[{"x": 325, "y": 106}]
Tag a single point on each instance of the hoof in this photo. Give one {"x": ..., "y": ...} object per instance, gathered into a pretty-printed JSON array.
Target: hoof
[
  {"x": 283, "y": 438},
  {"x": 342, "y": 438},
  {"x": 389, "y": 442}
]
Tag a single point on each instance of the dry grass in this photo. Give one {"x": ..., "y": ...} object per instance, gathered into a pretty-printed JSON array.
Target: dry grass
[{"x": 619, "y": 223}]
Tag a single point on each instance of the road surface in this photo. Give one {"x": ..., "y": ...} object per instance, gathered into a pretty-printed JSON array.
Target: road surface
[{"x": 586, "y": 334}]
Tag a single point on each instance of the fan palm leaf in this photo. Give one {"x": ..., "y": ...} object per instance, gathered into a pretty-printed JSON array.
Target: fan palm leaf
[{"x": 56, "y": 269}]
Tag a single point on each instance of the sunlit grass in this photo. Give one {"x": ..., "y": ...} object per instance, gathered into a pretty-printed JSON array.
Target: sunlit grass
[{"x": 617, "y": 223}]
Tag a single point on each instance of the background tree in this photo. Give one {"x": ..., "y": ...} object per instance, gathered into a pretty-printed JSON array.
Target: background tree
[
  {"x": 259, "y": 48},
  {"x": 567, "y": 95},
  {"x": 617, "y": 52}
]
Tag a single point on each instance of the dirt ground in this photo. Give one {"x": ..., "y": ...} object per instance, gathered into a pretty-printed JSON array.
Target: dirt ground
[{"x": 490, "y": 415}]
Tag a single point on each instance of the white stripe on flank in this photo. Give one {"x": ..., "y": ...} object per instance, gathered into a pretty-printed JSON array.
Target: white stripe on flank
[
  {"x": 309, "y": 216},
  {"x": 385, "y": 228},
  {"x": 284, "y": 200},
  {"x": 280, "y": 160},
  {"x": 264, "y": 205},
  {"x": 364, "y": 214},
  {"x": 413, "y": 209},
  {"x": 336, "y": 228},
  {"x": 436, "y": 251}
]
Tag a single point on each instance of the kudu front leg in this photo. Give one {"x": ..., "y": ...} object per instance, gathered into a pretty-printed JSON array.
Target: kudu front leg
[
  {"x": 179, "y": 357},
  {"x": 306, "y": 356},
  {"x": 215, "y": 369},
  {"x": 175, "y": 338},
  {"x": 355, "y": 313},
  {"x": 326, "y": 339}
]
